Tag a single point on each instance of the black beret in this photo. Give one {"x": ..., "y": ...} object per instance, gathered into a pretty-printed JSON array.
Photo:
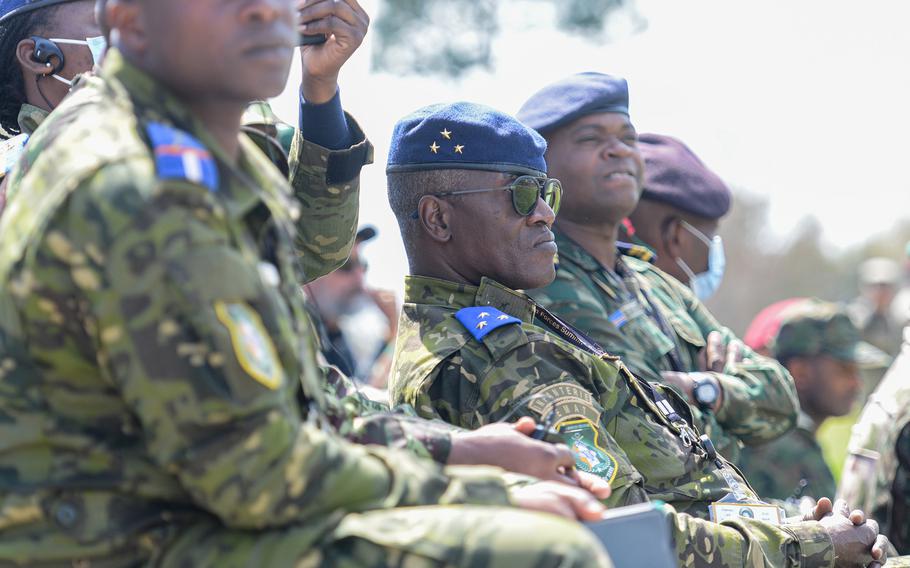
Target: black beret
[
  {"x": 574, "y": 97},
  {"x": 674, "y": 175}
]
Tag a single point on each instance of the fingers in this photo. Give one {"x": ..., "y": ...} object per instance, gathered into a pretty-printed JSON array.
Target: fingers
[
  {"x": 841, "y": 508},
  {"x": 595, "y": 485},
  {"x": 326, "y": 12},
  {"x": 858, "y": 517},
  {"x": 880, "y": 548},
  {"x": 584, "y": 505},
  {"x": 525, "y": 425},
  {"x": 715, "y": 352},
  {"x": 734, "y": 353}
]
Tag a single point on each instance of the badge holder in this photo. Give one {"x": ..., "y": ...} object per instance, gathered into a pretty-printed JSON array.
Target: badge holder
[{"x": 730, "y": 508}]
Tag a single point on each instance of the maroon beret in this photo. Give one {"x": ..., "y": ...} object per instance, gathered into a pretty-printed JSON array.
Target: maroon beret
[{"x": 674, "y": 175}]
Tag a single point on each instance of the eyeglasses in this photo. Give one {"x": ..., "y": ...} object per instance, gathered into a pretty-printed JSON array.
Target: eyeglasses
[{"x": 525, "y": 191}]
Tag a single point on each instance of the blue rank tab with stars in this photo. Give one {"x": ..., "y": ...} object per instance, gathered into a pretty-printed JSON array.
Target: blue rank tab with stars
[
  {"x": 180, "y": 156},
  {"x": 481, "y": 320}
]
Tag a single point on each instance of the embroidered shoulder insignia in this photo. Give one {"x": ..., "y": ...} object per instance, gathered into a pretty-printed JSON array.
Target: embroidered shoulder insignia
[
  {"x": 180, "y": 156},
  {"x": 481, "y": 320},
  {"x": 251, "y": 342},
  {"x": 639, "y": 251},
  {"x": 582, "y": 437},
  {"x": 10, "y": 150}
]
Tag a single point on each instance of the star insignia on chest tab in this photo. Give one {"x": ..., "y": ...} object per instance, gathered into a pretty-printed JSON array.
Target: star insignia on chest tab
[
  {"x": 503, "y": 317},
  {"x": 434, "y": 147},
  {"x": 483, "y": 315},
  {"x": 482, "y": 325}
]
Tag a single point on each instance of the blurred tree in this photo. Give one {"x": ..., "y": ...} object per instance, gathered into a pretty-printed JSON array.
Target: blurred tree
[{"x": 450, "y": 37}]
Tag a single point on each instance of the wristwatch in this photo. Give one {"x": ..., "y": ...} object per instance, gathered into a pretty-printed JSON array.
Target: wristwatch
[{"x": 705, "y": 392}]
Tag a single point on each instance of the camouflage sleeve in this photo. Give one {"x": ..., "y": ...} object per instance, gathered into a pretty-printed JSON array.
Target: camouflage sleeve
[
  {"x": 191, "y": 340},
  {"x": 364, "y": 420},
  {"x": 760, "y": 402},
  {"x": 749, "y": 543},
  {"x": 327, "y": 184}
]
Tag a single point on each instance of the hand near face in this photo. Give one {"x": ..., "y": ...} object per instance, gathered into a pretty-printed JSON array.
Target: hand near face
[{"x": 345, "y": 24}]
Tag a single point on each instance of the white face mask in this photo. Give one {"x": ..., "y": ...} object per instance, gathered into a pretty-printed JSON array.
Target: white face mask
[
  {"x": 97, "y": 45},
  {"x": 705, "y": 284}
]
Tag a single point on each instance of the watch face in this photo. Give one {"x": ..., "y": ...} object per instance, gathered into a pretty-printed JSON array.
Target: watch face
[{"x": 706, "y": 393}]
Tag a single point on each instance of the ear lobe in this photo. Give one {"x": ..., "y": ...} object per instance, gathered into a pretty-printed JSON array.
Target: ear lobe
[
  {"x": 25, "y": 55},
  {"x": 434, "y": 215}
]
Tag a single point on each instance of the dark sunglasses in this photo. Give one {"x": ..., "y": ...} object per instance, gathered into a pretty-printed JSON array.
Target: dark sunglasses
[{"x": 525, "y": 191}]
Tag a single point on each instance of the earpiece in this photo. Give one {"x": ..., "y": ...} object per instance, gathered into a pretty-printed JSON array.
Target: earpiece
[{"x": 48, "y": 53}]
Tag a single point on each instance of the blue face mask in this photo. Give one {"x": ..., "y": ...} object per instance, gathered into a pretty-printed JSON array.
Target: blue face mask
[{"x": 705, "y": 284}]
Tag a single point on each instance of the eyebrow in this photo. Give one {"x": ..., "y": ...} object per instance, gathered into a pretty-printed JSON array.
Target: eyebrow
[{"x": 598, "y": 128}]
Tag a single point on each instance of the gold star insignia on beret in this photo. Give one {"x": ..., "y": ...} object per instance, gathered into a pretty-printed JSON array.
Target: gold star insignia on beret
[
  {"x": 446, "y": 134},
  {"x": 459, "y": 148},
  {"x": 434, "y": 147}
]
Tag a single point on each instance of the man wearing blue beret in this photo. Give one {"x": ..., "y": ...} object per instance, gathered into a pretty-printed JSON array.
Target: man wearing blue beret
[
  {"x": 679, "y": 213},
  {"x": 475, "y": 207},
  {"x": 656, "y": 324}
]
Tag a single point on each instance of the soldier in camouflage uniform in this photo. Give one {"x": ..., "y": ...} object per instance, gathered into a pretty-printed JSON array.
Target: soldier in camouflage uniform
[
  {"x": 821, "y": 348},
  {"x": 876, "y": 474},
  {"x": 656, "y": 324},
  {"x": 160, "y": 402},
  {"x": 469, "y": 189}
]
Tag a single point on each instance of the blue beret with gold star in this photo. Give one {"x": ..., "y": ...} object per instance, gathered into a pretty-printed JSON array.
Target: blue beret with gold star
[
  {"x": 465, "y": 136},
  {"x": 562, "y": 102},
  {"x": 11, "y": 8}
]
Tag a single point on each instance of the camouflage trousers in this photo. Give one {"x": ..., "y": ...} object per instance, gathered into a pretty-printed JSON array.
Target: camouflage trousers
[{"x": 468, "y": 536}]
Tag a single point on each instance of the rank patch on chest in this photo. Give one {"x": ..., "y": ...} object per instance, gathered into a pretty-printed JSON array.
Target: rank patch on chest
[
  {"x": 251, "y": 342},
  {"x": 581, "y": 436}
]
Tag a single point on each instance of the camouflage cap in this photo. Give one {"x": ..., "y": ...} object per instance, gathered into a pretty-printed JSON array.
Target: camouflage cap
[{"x": 813, "y": 327}]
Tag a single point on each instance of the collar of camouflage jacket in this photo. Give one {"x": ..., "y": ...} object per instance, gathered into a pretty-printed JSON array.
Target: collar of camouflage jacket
[
  {"x": 255, "y": 182},
  {"x": 30, "y": 118},
  {"x": 434, "y": 291}
]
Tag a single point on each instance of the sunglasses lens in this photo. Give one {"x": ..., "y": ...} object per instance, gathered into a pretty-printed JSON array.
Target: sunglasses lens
[
  {"x": 552, "y": 194},
  {"x": 524, "y": 194}
]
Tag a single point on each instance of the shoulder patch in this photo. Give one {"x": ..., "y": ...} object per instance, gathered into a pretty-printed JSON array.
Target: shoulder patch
[
  {"x": 180, "y": 156},
  {"x": 10, "y": 150},
  {"x": 481, "y": 320},
  {"x": 640, "y": 251}
]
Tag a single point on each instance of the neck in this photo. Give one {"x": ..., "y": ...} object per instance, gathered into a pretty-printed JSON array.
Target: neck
[
  {"x": 598, "y": 240},
  {"x": 441, "y": 270},
  {"x": 222, "y": 120}
]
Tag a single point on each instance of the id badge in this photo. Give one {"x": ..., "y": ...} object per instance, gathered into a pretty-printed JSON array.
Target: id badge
[{"x": 721, "y": 511}]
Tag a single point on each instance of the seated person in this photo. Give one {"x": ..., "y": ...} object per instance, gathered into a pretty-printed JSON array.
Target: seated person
[{"x": 468, "y": 186}]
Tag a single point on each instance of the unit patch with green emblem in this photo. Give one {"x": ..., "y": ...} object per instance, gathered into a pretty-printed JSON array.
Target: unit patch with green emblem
[
  {"x": 581, "y": 437},
  {"x": 252, "y": 344}
]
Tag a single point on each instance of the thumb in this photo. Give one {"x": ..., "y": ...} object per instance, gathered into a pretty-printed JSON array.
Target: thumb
[{"x": 525, "y": 425}]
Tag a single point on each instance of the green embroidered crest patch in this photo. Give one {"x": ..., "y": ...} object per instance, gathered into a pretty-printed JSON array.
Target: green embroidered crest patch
[
  {"x": 252, "y": 345},
  {"x": 581, "y": 437}
]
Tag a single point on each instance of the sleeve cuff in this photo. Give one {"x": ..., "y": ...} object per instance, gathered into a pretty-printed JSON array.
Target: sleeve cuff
[
  {"x": 340, "y": 167},
  {"x": 325, "y": 124},
  {"x": 815, "y": 546},
  {"x": 475, "y": 485},
  {"x": 736, "y": 395}
]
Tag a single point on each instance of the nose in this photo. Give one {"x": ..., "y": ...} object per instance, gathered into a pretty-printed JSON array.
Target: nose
[
  {"x": 542, "y": 214},
  {"x": 268, "y": 10},
  {"x": 618, "y": 149}
]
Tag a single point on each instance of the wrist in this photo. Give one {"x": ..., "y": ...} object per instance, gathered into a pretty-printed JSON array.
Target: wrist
[
  {"x": 707, "y": 392},
  {"x": 318, "y": 90}
]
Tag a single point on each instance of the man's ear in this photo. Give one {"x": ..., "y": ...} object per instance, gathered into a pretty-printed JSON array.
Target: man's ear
[
  {"x": 25, "y": 55},
  {"x": 123, "y": 18},
  {"x": 435, "y": 218},
  {"x": 799, "y": 368},
  {"x": 672, "y": 237}
]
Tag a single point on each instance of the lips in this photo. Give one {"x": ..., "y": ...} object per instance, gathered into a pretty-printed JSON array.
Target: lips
[
  {"x": 621, "y": 174},
  {"x": 546, "y": 240}
]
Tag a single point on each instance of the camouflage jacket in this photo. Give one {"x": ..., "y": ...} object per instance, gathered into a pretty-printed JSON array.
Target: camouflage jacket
[
  {"x": 156, "y": 364},
  {"x": 790, "y": 467},
  {"x": 326, "y": 184},
  {"x": 876, "y": 475},
  {"x": 759, "y": 400},
  {"x": 520, "y": 368}
]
